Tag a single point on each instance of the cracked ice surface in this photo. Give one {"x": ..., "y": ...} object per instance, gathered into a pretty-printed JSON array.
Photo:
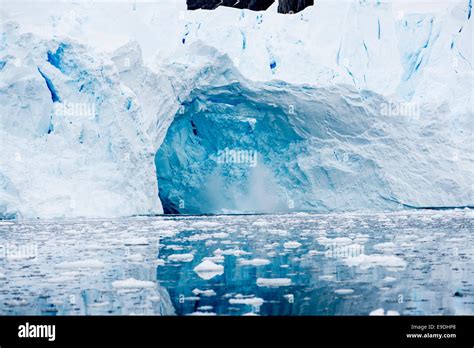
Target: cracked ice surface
[{"x": 408, "y": 262}]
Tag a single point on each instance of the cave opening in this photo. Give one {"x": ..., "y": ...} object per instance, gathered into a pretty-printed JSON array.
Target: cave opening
[{"x": 225, "y": 152}]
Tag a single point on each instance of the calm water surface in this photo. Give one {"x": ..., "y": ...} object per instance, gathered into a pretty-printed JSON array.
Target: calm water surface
[{"x": 408, "y": 263}]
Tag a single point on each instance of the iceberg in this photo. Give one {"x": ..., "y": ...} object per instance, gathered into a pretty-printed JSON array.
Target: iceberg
[{"x": 344, "y": 106}]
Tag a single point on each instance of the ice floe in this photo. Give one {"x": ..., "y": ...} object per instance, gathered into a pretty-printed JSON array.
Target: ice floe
[
  {"x": 273, "y": 282},
  {"x": 132, "y": 283},
  {"x": 208, "y": 269},
  {"x": 254, "y": 262},
  {"x": 367, "y": 261},
  {"x": 344, "y": 291},
  {"x": 207, "y": 293},
  {"x": 181, "y": 257},
  {"x": 291, "y": 245},
  {"x": 381, "y": 311},
  {"x": 253, "y": 301}
]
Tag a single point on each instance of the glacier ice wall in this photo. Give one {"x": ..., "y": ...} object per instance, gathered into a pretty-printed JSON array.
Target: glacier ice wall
[
  {"x": 317, "y": 148},
  {"x": 318, "y": 95}
]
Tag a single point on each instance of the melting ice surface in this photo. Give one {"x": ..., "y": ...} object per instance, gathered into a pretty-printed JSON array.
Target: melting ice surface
[{"x": 408, "y": 263}]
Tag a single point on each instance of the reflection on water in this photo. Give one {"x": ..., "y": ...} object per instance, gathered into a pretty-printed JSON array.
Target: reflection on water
[{"x": 408, "y": 263}]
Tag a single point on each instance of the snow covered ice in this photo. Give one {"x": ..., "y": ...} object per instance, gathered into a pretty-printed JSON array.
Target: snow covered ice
[
  {"x": 82, "y": 266},
  {"x": 346, "y": 105}
]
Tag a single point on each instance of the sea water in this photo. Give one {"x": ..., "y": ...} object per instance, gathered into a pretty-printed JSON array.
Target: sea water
[{"x": 407, "y": 263}]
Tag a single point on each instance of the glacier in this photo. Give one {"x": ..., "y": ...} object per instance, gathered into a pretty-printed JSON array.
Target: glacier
[{"x": 349, "y": 106}]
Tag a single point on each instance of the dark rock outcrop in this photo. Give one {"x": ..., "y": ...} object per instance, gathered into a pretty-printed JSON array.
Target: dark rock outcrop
[
  {"x": 293, "y": 6},
  {"x": 284, "y": 6}
]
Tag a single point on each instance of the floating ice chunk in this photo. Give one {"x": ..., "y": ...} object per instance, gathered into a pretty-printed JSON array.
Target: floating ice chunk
[
  {"x": 273, "y": 282},
  {"x": 344, "y": 291},
  {"x": 277, "y": 232},
  {"x": 136, "y": 241},
  {"x": 367, "y": 261},
  {"x": 253, "y": 301},
  {"x": 261, "y": 223},
  {"x": 389, "y": 279},
  {"x": 208, "y": 266},
  {"x": 207, "y": 293},
  {"x": 181, "y": 257},
  {"x": 334, "y": 241},
  {"x": 159, "y": 262},
  {"x": 218, "y": 258},
  {"x": 291, "y": 245},
  {"x": 381, "y": 311},
  {"x": 220, "y": 235},
  {"x": 235, "y": 252},
  {"x": 361, "y": 238},
  {"x": 165, "y": 223},
  {"x": 174, "y": 247},
  {"x": 208, "y": 269},
  {"x": 192, "y": 298},
  {"x": 386, "y": 247},
  {"x": 210, "y": 242},
  {"x": 89, "y": 264},
  {"x": 199, "y": 313},
  {"x": 3, "y": 276},
  {"x": 205, "y": 224},
  {"x": 198, "y": 237},
  {"x": 205, "y": 308},
  {"x": 132, "y": 283},
  {"x": 254, "y": 262}
]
